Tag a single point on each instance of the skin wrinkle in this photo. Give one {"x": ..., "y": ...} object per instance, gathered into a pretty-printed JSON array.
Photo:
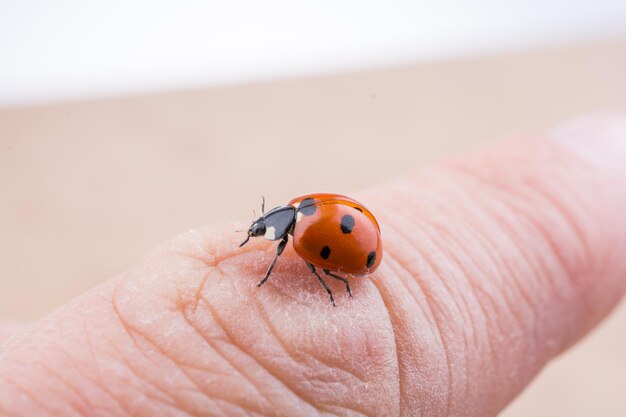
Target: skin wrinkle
[
  {"x": 198, "y": 240},
  {"x": 227, "y": 405},
  {"x": 99, "y": 381},
  {"x": 476, "y": 290},
  {"x": 503, "y": 224},
  {"x": 5, "y": 413},
  {"x": 546, "y": 235},
  {"x": 424, "y": 227},
  {"x": 218, "y": 267},
  {"x": 425, "y": 312},
  {"x": 328, "y": 385},
  {"x": 198, "y": 297},
  {"x": 331, "y": 367},
  {"x": 533, "y": 263},
  {"x": 208, "y": 263},
  {"x": 503, "y": 265},
  {"x": 437, "y": 324},
  {"x": 214, "y": 265},
  {"x": 454, "y": 296},
  {"x": 385, "y": 296},
  {"x": 327, "y": 408},
  {"x": 349, "y": 373},
  {"x": 555, "y": 288},
  {"x": 235, "y": 406},
  {"x": 143, "y": 378},
  {"x": 75, "y": 407},
  {"x": 572, "y": 198},
  {"x": 501, "y": 195},
  {"x": 390, "y": 260},
  {"x": 474, "y": 282},
  {"x": 231, "y": 363},
  {"x": 542, "y": 231},
  {"x": 524, "y": 294},
  {"x": 197, "y": 390},
  {"x": 483, "y": 270},
  {"x": 282, "y": 343},
  {"x": 140, "y": 350},
  {"x": 510, "y": 272},
  {"x": 537, "y": 190},
  {"x": 471, "y": 319},
  {"x": 465, "y": 309},
  {"x": 555, "y": 209},
  {"x": 414, "y": 275},
  {"x": 353, "y": 411},
  {"x": 579, "y": 237},
  {"x": 541, "y": 234},
  {"x": 128, "y": 330},
  {"x": 519, "y": 284},
  {"x": 64, "y": 382},
  {"x": 451, "y": 377},
  {"x": 286, "y": 294},
  {"x": 77, "y": 369},
  {"x": 274, "y": 331},
  {"x": 489, "y": 336},
  {"x": 266, "y": 368},
  {"x": 17, "y": 387},
  {"x": 182, "y": 367}
]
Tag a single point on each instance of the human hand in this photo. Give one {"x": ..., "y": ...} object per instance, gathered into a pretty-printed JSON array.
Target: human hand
[{"x": 493, "y": 264}]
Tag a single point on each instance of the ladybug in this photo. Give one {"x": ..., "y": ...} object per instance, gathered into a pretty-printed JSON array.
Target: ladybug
[{"x": 332, "y": 232}]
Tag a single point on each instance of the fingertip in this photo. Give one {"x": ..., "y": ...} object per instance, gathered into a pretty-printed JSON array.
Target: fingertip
[{"x": 599, "y": 139}]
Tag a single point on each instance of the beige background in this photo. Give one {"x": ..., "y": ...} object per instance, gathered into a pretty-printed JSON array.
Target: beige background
[{"x": 86, "y": 188}]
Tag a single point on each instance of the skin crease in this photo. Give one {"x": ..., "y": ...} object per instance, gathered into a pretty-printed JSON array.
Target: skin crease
[{"x": 490, "y": 270}]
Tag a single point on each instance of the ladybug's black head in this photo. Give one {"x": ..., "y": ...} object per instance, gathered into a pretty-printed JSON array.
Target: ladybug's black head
[
  {"x": 256, "y": 229},
  {"x": 274, "y": 225}
]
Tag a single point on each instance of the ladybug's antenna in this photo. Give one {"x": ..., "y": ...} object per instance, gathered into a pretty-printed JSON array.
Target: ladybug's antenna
[
  {"x": 245, "y": 241},
  {"x": 262, "y": 204}
]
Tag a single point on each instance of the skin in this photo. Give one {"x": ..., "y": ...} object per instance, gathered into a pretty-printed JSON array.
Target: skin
[{"x": 494, "y": 264}]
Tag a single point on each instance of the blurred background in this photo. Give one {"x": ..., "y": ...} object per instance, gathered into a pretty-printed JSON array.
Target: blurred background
[{"x": 124, "y": 123}]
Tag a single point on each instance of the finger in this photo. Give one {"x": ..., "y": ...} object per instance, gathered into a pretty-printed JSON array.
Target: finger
[
  {"x": 8, "y": 328},
  {"x": 493, "y": 264},
  {"x": 520, "y": 253}
]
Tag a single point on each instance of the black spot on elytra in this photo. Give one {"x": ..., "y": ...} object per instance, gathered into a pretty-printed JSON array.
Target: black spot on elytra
[
  {"x": 307, "y": 206},
  {"x": 371, "y": 258},
  {"x": 347, "y": 223},
  {"x": 325, "y": 253},
  {"x": 358, "y": 208}
]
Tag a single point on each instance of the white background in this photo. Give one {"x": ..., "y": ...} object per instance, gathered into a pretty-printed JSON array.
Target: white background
[{"x": 57, "y": 50}]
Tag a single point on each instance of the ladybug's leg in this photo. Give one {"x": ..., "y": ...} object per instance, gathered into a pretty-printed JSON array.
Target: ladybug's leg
[
  {"x": 279, "y": 249},
  {"x": 324, "y": 284},
  {"x": 342, "y": 279}
]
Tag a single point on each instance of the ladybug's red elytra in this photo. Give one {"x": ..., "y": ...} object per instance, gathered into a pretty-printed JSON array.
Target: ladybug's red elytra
[{"x": 330, "y": 231}]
